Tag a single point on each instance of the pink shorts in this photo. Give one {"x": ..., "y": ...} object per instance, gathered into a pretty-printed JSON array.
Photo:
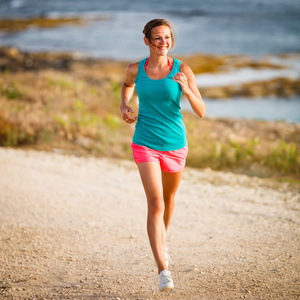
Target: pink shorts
[{"x": 170, "y": 161}]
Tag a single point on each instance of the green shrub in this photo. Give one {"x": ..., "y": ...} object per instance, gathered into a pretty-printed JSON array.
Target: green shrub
[{"x": 10, "y": 92}]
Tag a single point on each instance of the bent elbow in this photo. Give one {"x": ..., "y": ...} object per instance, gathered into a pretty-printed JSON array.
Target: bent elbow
[{"x": 201, "y": 113}]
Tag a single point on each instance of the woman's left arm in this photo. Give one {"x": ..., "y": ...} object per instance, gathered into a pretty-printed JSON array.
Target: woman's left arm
[{"x": 186, "y": 79}]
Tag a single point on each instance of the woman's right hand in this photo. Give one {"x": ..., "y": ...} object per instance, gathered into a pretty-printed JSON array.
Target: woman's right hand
[
  {"x": 127, "y": 92},
  {"x": 126, "y": 110}
]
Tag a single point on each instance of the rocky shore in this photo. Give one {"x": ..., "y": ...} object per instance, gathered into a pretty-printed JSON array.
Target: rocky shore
[
  {"x": 279, "y": 87},
  {"x": 12, "y": 59},
  {"x": 20, "y": 24},
  {"x": 68, "y": 102}
]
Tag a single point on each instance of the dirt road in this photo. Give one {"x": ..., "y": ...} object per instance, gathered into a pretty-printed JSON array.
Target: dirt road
[{"x": 75, "y": 228}]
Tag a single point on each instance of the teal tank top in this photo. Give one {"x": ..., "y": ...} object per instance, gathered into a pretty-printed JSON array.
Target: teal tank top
[{"x": 159, "y": 125}]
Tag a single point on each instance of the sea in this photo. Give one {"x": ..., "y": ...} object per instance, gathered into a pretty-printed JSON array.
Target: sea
[{"x": 113, "y": 29}]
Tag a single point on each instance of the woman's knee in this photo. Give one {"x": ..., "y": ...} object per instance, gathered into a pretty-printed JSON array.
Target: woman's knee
[
  {"x": 156, "y": 205},
  {"x": 169, "y": 200}
]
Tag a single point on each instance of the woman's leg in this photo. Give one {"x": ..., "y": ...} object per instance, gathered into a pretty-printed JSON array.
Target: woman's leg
[
  {"x": 170, "y": 183},
  {"x": 151, "y": 176}
]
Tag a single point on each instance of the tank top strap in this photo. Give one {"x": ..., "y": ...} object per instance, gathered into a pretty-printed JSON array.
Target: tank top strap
[
  {"x": 146, "y": 63},
  {"x": 169, "y": 62},
  {"x": 170, "y": 65},
  {"x": 176, "y": 65}
]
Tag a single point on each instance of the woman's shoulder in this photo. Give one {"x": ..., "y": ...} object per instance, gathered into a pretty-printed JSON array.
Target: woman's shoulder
[
  {"x": 132, "y": 71},
  {"x": 185, "y": 68},
  {"x": 182, "y": 66},
  {"x": 133, "y": 67}
]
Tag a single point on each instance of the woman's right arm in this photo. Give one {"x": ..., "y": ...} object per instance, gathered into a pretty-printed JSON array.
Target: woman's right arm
[{"x": 127, "y": 92}]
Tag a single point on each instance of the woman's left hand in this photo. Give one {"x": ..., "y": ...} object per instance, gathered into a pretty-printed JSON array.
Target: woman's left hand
[
  {"x": 186, "y": 79},
  {"x": 183, "y": 81}
]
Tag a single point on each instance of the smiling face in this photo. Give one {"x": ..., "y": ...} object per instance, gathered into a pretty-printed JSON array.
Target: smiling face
[{"x": 160, "y": 40}]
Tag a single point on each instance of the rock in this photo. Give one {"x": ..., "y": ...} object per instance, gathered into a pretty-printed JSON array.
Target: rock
[
  {"x": 215, "y": 93},
  {"x": 13, "y": 52}
]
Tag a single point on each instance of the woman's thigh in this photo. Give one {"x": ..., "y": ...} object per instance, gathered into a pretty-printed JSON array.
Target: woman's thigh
[
  {"x": 170, "y": 182},
  {"x": 151, "y": 177}
]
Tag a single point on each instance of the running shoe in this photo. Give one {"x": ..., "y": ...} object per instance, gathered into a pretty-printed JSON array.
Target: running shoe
[{"x": 165, "y": 281}]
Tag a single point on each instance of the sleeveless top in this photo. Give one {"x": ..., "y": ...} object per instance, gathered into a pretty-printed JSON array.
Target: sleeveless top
[{"x": 159, "y": 125}]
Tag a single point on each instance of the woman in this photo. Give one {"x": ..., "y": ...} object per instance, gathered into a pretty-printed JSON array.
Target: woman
[{"x": 159, "y": 142}]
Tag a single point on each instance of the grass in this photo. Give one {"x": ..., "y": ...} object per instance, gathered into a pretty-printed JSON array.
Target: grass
[
  {"x": 249, "y": 157},
  {"x": 12, "y": 134},
  {"x": 10, "y": 91},
  {"x": 284, "y": 158},
  {"x": 15, "y": 137},
  {"x": 79, "y": 111}
]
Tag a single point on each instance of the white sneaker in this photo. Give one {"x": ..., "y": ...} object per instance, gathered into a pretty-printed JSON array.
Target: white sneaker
[
  {"x": 166, "y": 281},
  {"x": 167, "y": 257}
]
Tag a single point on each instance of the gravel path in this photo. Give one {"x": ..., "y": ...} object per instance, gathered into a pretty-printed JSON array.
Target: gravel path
[{"x": 75, "y": 228}]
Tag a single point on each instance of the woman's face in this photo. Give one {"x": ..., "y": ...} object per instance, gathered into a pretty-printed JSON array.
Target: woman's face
[{"x": 161, "y": 40}]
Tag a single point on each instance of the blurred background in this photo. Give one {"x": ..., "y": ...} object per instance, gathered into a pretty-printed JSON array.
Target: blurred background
[
  {"x": 63, "y": 63},
  {"x": 114, "y": 30}
]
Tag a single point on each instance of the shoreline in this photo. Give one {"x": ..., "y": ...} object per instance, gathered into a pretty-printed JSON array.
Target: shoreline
[
  {"x": 55, "y": 101},
  {"x": 14, "y": 25},
  {"x": 217, "y": 76}
]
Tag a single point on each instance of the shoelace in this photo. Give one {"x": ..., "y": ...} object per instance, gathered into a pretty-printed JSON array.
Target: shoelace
[{"x": 165, "y": 277}]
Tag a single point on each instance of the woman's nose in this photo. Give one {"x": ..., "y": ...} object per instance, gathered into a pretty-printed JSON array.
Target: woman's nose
[{"x": 163, "y": 41}]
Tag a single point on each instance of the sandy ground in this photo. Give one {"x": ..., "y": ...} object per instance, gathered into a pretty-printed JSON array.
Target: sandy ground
[{"x": 75, "y": 228}]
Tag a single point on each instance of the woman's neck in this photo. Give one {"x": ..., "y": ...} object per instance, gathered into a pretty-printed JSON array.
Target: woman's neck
[
  {"x": 160, "y": 65},
  {"x": 158, "y": 62}
]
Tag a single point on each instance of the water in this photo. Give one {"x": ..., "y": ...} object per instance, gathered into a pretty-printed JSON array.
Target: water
[
  {"x": 256, "y": 27},
  {"x": 247, "y": 75},
  {"x": 266, "y": 109}
]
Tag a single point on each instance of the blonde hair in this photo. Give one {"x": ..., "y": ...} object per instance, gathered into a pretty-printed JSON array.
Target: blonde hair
[{"x": 159, "y": 22}]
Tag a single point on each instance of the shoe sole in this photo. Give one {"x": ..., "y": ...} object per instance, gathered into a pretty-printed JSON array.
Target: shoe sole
[{"x": 167, "y": 288}]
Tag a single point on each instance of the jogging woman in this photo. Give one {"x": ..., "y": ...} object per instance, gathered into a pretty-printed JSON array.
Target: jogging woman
[{"x": 159, "y": 143}]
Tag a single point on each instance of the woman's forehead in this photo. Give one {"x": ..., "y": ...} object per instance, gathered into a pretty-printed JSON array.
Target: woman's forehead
[{"x": 158, "y": 30}]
